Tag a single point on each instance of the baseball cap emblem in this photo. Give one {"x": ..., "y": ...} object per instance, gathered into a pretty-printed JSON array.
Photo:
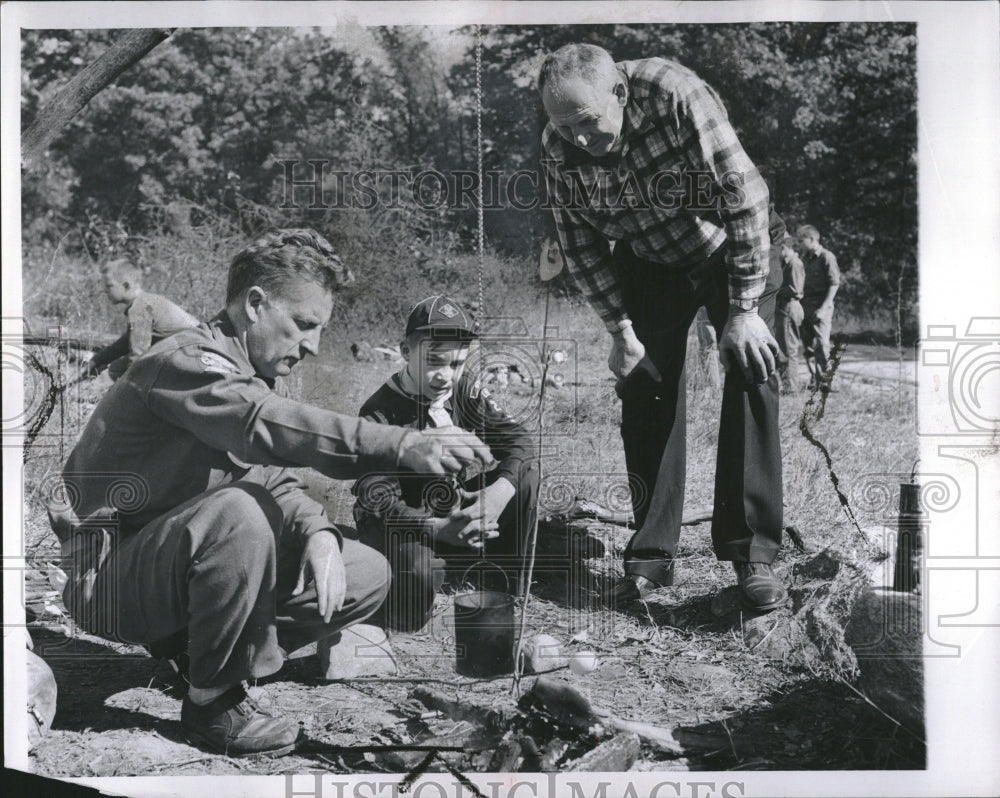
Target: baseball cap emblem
[{"x": 443, "y": 315}]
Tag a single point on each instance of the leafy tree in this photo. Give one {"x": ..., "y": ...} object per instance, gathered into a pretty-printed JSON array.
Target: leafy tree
[{"x": 199, "y": 129}]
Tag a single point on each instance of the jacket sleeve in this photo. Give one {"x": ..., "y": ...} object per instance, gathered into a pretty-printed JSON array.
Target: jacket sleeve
[
  {"x": 303, "y": 516},
  {"x": 110, "y": 353},
  {"x": 710, "y": 143},
  {"x": 480, "y": 413},
  {"x": 140, "y": 328},
  {"x": 201, "y": 390},
  {"x": 380, "y": 495}
]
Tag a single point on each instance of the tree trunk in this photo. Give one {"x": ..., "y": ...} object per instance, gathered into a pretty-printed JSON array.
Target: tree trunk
[{"x": 129, "y": 48}]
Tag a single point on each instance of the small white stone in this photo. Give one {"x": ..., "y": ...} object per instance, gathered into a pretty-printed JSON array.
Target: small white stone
[{"x": 583, "y": 662}]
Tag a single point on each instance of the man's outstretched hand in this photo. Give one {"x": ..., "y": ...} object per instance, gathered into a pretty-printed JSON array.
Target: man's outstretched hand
[
  {"x": 443, "y": 450},
  {"x": 748, "y": 345}
]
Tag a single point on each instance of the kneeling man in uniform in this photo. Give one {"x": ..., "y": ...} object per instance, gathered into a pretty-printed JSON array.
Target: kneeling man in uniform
[{"x": 177, "y": 514}]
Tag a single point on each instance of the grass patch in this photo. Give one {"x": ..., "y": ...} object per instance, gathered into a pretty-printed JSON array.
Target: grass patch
[{"x": 670, "y": 665}]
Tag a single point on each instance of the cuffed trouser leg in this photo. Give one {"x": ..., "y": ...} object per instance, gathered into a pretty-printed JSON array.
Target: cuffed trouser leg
[
  {"x": 788, "y": 318},
  {"x": 747, "y": 515},
  {"x": 823, "y": 327},
  {"x": 419, "y": 571},
  {"x": 510, "y": 548},
  {"x": 661, "y": 304},
  {"x": 816, "y": 331},
  {"x": 209, "y": 565}
]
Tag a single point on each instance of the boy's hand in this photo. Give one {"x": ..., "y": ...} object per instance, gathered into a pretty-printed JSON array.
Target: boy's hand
[
  {"x": 477, "y": 518},
  {"x": 461, "y": 530}
]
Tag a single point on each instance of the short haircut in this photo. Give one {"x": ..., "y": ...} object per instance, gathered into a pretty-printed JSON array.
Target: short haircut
[
  {"x": 122, "y": 270},
  {"x": 586, "y": 61},
  {"x": 808, "y": 231},
  {"x": 278, "y": 255}
]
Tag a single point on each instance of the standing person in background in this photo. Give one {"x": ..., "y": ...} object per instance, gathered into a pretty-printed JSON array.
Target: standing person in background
[
  {"x": 822, "y": 282},
  {"x": 642, "y": 154},
  {"x": 789, "y": 314},
  {"x": 148, "y": 317}
]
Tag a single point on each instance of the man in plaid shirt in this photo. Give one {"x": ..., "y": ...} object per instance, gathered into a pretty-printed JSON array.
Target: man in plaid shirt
[{"x": 659, "y": 211}]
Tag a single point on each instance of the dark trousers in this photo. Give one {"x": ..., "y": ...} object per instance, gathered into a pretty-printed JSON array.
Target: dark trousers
[
  {"x": 746, "y": 520},
  {"x": 219, "y": 567},
  {"x": 419, "y": 566},
  {"x": 816, "y": 329},
  {"x": 787, "y": 328}
]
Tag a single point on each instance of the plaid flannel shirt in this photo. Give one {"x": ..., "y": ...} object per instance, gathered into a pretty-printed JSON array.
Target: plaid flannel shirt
[{"x": 679, "y": 188}]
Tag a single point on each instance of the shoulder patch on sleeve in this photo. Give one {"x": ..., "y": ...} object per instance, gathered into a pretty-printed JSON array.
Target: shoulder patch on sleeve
[{"x": 216, "y": 363}]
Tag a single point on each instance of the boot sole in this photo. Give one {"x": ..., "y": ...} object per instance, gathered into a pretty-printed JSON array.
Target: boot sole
[{"x": 203, "y": 742}]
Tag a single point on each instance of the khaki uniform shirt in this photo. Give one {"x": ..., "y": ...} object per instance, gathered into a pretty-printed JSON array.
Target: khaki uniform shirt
[{"x": 191, "y": 415}]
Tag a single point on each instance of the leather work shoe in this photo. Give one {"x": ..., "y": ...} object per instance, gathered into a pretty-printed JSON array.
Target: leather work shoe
[
  {"x": 234, "y": 725},
  {"x": 627, "y": 589},
  {"x": 760, "y": 589}
]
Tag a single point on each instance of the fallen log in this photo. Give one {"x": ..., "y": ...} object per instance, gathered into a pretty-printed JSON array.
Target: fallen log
[
  {"x": 611, "y": 756},
  {"x": 488, "y": 718},
  {"x": 567, "y": 705},
  {"x": 585, "y": 509}
]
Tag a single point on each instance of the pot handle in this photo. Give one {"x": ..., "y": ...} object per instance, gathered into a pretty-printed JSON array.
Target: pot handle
[{"x": 483, "y": 562}]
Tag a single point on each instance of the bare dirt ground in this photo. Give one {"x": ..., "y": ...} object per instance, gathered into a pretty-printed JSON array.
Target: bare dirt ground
[{"x": 670, "y": 661}]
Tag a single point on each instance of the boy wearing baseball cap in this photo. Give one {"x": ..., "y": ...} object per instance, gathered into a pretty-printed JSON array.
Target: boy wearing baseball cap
[{"x": 420, "y": 522}]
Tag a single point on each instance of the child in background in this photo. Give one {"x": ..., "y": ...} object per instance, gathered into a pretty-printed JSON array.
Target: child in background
[
  {"x": 149, "y": 318},
  {"x": 420, "y": 521}
]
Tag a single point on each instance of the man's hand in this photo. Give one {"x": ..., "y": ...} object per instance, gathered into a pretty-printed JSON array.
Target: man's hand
[
  {"x": 626, "y": 352},
  {"x": 443, "y": 450},
  {"x": 747, "y": 344},
  {"x": 323, "y": 561}
]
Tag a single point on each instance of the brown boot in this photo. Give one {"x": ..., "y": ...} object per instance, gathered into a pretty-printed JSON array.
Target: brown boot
[{"x": 234, "y": 725}]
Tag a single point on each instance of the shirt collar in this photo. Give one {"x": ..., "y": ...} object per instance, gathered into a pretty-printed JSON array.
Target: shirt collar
[
  {"x": 406, "y": 386},
  {"x": 222, "y": 329}
]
